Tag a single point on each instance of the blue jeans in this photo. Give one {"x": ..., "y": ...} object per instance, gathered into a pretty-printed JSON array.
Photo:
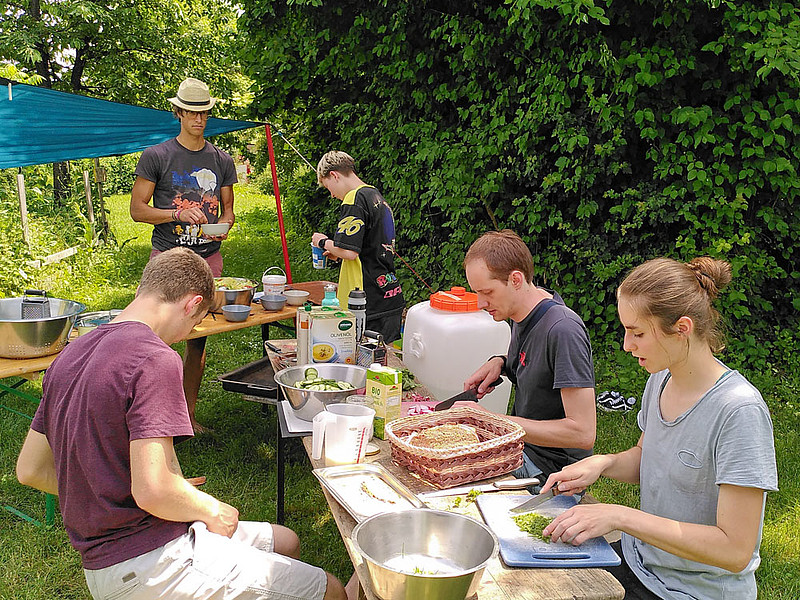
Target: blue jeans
[{"x": 529, "y": 469}]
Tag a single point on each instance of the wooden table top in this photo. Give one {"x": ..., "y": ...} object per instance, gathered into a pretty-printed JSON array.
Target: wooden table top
[
  {"x": 210, "y": 325},
  {"x": 499, "y": 581}
]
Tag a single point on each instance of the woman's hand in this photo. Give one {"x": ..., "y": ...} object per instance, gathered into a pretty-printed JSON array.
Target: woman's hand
[
  {"x": 576, "y": 477},
  {"x": 585, "y": 521}
]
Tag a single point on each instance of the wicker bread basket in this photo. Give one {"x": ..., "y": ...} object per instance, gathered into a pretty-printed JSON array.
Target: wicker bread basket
[{"x": 498, "y": 452}]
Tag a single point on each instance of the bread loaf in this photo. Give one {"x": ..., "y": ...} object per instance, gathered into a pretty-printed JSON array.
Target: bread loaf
[{"x": 449, "y": 435}]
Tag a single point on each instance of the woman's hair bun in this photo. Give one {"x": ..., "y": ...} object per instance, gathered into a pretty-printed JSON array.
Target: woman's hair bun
[{"x": 712, "y": 274}]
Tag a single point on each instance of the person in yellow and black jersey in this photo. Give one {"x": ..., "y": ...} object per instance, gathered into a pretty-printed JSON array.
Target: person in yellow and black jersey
[{"x": 364, "y": 241}]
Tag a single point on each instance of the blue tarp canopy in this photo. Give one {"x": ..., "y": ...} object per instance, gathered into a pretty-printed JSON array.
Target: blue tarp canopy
[{"x": 38, "y": 126}]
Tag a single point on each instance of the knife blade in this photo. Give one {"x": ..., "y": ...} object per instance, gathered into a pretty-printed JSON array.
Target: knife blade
[
  {"x": 470, "y": 395},
  {"x": 506, "y": 484},
  {"x": 529, "y": 505}
]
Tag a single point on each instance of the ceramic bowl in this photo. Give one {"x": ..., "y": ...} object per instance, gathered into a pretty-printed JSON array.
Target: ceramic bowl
[
  {"x": 296, "y": 297},
  {"x": 214, "y": 229}
]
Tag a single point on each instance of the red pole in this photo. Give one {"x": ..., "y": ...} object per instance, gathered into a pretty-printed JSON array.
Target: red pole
[{"x": 278, "y": 203}]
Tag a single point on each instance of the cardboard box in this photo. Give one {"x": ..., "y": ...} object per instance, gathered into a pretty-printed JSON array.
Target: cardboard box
[
  {"x": 385, "y": 387},
  {"x": 332, "y": 336}
]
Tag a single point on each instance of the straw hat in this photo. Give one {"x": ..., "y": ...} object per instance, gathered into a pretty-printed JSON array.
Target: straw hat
[{"x": 193, "y": 95}]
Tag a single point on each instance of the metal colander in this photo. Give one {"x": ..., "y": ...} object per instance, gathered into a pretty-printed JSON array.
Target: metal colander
[{"x": 23, "y": 335}]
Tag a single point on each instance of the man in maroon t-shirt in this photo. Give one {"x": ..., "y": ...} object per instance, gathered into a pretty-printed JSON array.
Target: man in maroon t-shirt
[{"x": 102, "y": 440}]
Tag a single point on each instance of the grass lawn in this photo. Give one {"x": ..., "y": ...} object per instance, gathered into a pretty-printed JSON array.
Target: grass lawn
[{"x": 239, "y": 457}]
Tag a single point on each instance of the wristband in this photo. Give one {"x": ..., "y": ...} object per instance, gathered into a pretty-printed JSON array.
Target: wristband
[
  {"x": 321, "y": 243},
  {"x": 505, "y": 360},
  {"x": 178, "y": 212}
]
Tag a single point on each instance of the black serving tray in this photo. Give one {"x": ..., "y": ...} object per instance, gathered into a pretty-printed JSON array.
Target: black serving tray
[{"x": 255, "y": 379}]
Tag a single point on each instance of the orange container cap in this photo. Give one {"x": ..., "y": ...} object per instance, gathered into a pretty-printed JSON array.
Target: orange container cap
[{"x": 456, "y": 300}]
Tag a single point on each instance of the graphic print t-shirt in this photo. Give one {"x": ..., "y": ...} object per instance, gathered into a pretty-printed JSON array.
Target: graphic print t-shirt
[
  {"x": 366, "y": 226},
  {"x": 184, "y": 179}
]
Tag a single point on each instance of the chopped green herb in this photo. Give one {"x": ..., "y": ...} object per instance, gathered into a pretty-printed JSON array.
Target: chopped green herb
[
  {"x": 472, "y": 494},
  {"x": 533, "y": 524},
  {"x": 456, "y": 501},
  {"x": 421, "y": 571}
]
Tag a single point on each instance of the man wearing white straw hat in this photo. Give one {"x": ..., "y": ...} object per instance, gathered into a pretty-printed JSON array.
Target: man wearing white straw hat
[{"x": 190, "y": 182}]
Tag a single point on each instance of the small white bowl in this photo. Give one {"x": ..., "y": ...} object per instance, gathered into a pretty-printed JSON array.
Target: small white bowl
[
  {"x": 295, "y": 297},
  {"x": 215, "y": 229}
]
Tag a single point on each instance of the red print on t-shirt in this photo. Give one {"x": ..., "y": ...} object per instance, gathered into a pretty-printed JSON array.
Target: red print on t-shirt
[{"x": 522, "y": 358}]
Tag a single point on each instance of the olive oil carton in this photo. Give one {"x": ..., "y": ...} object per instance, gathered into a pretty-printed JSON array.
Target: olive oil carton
[
  {"x": 332, "y": 336},
  {"x": 385, "y": 387}
]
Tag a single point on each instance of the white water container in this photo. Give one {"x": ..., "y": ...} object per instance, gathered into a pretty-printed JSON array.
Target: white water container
[{"x": 447, "y": 339}]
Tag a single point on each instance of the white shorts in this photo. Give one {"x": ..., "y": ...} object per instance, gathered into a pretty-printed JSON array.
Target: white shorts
[{"x": 202, "y": 565}]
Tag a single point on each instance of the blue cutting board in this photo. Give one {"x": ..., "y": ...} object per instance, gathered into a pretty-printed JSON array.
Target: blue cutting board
[{"x": 518, "y": 549}]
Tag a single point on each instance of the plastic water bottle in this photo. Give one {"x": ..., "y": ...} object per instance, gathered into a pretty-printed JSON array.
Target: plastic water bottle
[
  {"x": 303, "y": 334},
  {"x": 357, "y": 303},
  {"x": 330, "y": 298}
]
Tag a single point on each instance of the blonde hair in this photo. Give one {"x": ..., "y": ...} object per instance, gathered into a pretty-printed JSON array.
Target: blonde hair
[
  {"x": 176, "y": 273},
  {"x": 335, "y": 160},
  {"x": 502, "y": 251},
  {"x": 667, "y": 290}
]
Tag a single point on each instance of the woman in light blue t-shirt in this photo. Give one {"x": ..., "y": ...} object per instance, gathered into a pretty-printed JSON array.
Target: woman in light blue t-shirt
[{"x": 706, "y": 455}]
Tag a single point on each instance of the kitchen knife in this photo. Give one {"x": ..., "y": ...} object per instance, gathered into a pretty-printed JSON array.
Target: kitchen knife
[
  {"x": 529, "y": 505},
  {"x": 471, "y": 395},
  {"x": 506, "y": 484}
]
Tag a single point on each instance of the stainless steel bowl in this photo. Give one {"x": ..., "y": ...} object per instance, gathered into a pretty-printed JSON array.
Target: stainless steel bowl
[
  {"x": 92, "y": 320},
  {"x": 242, "y": 295},
  {"x": 307, "y": 403},
  {"x": 273, "y": 301},
  {"x": 31, "y": 338},
  {"x": 422, "y": 553}
]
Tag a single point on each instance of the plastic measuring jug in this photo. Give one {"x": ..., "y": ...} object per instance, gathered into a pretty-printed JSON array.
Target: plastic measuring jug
[
  {"x": 275, "y": 283},
  {"x": 344, "y": 428}
]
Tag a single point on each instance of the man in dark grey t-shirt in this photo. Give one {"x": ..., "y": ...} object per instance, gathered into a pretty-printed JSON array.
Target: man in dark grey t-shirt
[
  {"x": 549, "y": 358},
  {"x": 190, "y": 182}
]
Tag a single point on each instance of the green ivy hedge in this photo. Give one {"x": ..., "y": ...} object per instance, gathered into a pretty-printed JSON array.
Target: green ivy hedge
[{"x": 604, "y": 132}]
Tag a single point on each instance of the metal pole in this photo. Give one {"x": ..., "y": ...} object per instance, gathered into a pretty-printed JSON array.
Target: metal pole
[
  {"x": 23, "y": 206},
  {"x": 278, "y": 204},
  {"x": 100, "y": 178},
  {"x": 87, "y": 186}
]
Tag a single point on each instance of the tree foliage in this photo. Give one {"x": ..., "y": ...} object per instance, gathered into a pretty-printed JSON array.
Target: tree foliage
[
  {"x": 132, "y": 52},
  {"x": 605, "y": 132}
]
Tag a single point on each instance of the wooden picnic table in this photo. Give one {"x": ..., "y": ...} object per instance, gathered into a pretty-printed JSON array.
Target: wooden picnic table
[
  {"x": 499, "y": 581},
  {"x": 212, "y": 324}
]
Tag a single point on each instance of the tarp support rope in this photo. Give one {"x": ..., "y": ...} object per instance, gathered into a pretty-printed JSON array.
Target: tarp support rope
[
  {"x": 279, "y": 133},
  {"x": 278, "y": 203}
]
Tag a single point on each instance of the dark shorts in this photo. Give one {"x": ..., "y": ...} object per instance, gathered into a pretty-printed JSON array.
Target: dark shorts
[
  {"x": 634, "y": 589},
  {"x": 387, "y": 325}
]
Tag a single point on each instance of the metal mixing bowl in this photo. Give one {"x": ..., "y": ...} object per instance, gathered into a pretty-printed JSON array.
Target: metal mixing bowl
[
  {"x": 30, "y": 338},
  {"x": 242, "y": 295},
  {"x": 422, "y": 553},
  {"x": 307, "y": 403},
  {"x": 92, "y": 320}
]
